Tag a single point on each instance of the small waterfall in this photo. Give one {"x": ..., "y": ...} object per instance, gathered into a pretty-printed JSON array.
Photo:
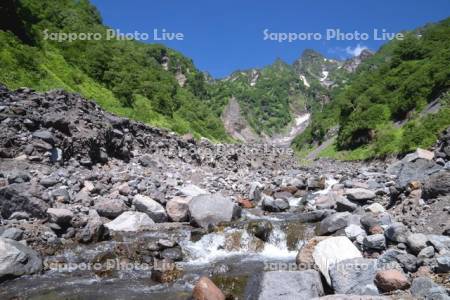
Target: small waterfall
[
  {"x": 329, "y": 182},
  {"x": 238, "y": 242}
]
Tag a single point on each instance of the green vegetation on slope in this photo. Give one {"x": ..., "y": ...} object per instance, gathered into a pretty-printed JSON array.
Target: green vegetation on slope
[
  {"x": 391, "y": 87},
  {"x": 124, "y": 77}
]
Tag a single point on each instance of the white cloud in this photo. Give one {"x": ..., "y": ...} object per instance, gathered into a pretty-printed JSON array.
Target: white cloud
[{"x": 356, "y": 50}]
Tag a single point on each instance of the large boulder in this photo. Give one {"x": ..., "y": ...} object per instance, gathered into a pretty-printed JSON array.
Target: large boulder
[
  {"x": 360, "y": 194},
  {"x": 290, "y": 285},
  {"x": 110, "y": 207},
  {"x": 333, "y": 223},
  {"x": 417, "y": 169},
  {"x": 16, "y": 259},
  {"x": 332, "y": 251},
  {"x": 205, "y": 289},
  {"x": 16, "y": 197},
  {"x": 149, "y": 206},
  {"x": 206, "y": 210},
  {"x": 178, "y": 208},
  {"x": 130, "y": 221},
  {"x": 354, "y": 276},
  {"x": 437, "y": 184}
]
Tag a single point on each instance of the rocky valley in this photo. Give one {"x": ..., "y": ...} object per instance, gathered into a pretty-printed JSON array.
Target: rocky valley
[
  {"x": 94, "y": 205},
  {"x": 126, "y": 172}
]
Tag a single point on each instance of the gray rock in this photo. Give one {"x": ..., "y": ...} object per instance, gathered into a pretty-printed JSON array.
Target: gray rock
[
  {"x": 174, "y": 254},
  {"x": 343, "y": 204},
  {"x": 416, "y": 242},
  {"x": 255, "y": 191},
  {"x": 149, "y": 206},
  {"x": 19, "y": 215},
  {"x": 375, "y": 241},
  {"x": 397, "y": 232},
  {"x": 16, "y": 259},
  {"x": 60, "y": 216},
  {"x": 110, "y": 207},
  {"x": 44, "y": 135},
  {"x": 352, "y": 231},
  {"x": 290, "y": 285},
  {"x": 333, "y": 223},
  {"x": 393, "y": 258},
  {"x": 407, "y": 171},
  {"x": 94, "y": 230},
  {"x": 427, "y": 252},
  {"x": 147, "y": 161},
  {"x": 354, "y": 276},
  {"x": 437, "y": 184},
  {"x": 212, "y": 209},
  {"x": 274, "y": 205},
  {"x": 49, "y": 181},
  {"x": 60, "y": 195},
  {"x": 425, "y": 288},
  {"x": 17, "y": 198},
  {"x": 316, "y": 183},
  {"x": 443, "y": 264},
  {"x": 369, "y": 220},
  {"x": 439, "y": 242},
  {"x": 18, "y": 176},
  {"x": 13, "y": 234},
  {"x": 360, "y": 194}
]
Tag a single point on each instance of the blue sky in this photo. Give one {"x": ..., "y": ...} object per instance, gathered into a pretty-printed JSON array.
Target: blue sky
[{"x": 222, "y": 36}]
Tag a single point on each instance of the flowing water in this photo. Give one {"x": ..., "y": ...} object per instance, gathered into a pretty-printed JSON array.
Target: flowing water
[{"x": 231, "y": 255}]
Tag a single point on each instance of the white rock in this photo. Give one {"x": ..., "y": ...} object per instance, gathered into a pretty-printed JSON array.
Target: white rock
[
  {"x": 352, "y": 231},
  {"x": 130, "y": 221},
  {"x": 375, "y": 208},
  {"x": 191, "y": 190},
  {"x": 332, "y": 251},
  {"x": 420, "y": 153}
]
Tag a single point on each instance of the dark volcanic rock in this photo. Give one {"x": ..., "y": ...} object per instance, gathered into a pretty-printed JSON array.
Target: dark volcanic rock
[{"x": 16, "y": 197}]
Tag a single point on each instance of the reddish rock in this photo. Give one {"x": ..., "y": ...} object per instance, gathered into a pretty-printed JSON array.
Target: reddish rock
[
  {"x": 205, "y": 289},
  {"x": 304, "y": 257},
  {"x": 289, "y": 189},
  {"x": 246, "y": 203},
  {"x": 377, "y": 229},
  {"x": 391, "y": 280},
  {"x": 423, "y": 271}
]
